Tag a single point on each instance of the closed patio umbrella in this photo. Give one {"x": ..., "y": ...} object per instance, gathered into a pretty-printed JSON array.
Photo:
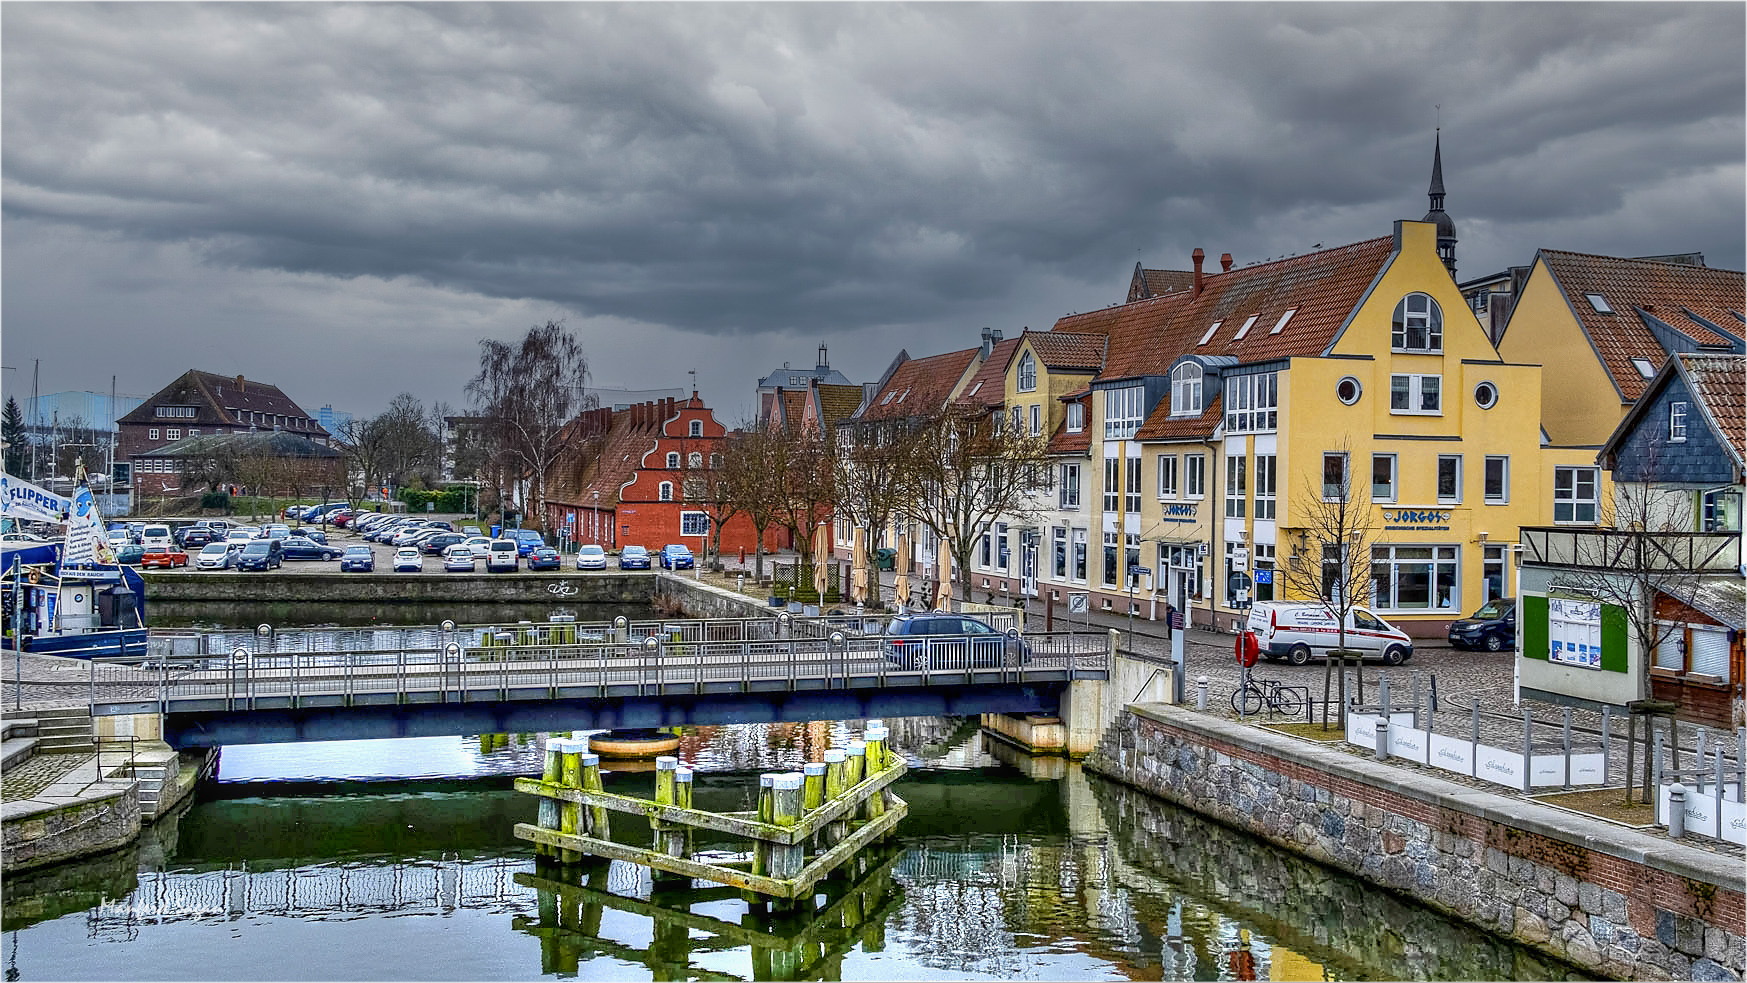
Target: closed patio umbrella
[
  {"x": 901, "y": 579},
  {"x": 858, "y": 578},
  {"x": 943, "y": 591},
  {"x": 821, "y": 557}
]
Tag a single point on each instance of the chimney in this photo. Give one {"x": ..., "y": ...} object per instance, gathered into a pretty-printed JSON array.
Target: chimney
[
  {"x": 1225, "y": 262},
  {"x": 1197, "y": 256},
  {"x": 988, "y": 343},
  {"x": 239, "y": 383}
]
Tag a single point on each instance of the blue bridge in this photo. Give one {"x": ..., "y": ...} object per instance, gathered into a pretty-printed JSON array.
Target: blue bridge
[{"x": 218, "y": 688}]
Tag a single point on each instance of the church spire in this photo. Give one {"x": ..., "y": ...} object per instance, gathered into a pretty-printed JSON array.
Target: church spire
[{"x": 1437, "y": 216}]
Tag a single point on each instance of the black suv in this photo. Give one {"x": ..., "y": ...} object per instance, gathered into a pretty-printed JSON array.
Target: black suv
[
  {"x": 1492, "y": 628},
  {"x": 941, "y": 640}
]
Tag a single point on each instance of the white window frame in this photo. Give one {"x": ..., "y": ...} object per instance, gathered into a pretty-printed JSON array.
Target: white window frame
[
  {"x": 1076, "y": 417},
  {"x": 174, "y": 433},
  {"x": 673, "y": 460},
  {"x": 1123, "y": 411},
  {"x": 1266, "y": 488},
  {"x": 1416, "y": 391},
  {"x": 1444, "y": 566},
  {"x": 1567, "y": 494},
  {"x": 1236, "y": 485},
  {"x": 1428, "y": 323},
  {"x": 695, "y": 459},
  {"x": 1245, "y": 330},
  {"x": 1036, "y": 419},
  {"x": 1195, "y": 476},
  {"x": 688, "y": 522},
  {"x": 1069, "y": 498},
  {"x": 1027, "y": 374},
  {"x": 1346, "y": 475},
  {"x": 1186, "y": 381},
  {"x": 152, "y": 434},
  {"x": 1167, "y": 476},
  {"x": 1677, "y": 421},
  {"x": 696, "y": 429},
  {"x": 1454, "y": 498},
  {"x": 1252, "y": 403},
  {"x": 664, "y": 491},
  {"x": 1392, "y": 492},
  {"x": 1131, "y": 486},
  {"x": 1112, "y": 498},
  {"x": 1503, "y": 497}
]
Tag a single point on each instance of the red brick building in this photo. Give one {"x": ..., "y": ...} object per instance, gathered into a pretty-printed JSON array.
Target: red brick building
[
  {"x": 638, "y": 476},
  {"x": 201, "y": 404}
]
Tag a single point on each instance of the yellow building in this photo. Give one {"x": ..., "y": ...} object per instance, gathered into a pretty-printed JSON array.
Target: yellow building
[{"x": 1223, "y": 410}]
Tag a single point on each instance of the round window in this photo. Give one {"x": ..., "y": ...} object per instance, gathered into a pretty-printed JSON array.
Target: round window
[
  {"x": 1486, "y": 395},
  {"x": 1348, "y": 390}
]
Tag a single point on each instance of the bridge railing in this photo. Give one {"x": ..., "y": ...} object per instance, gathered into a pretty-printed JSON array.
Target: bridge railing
[{"x": 577, "y": 666}]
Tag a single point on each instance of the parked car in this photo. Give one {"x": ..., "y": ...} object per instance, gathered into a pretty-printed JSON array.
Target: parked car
[
  {"x": 156, "y": 534},
  {"x": 194, "y": 537},
  {"x": 1298, "y": 632},
  {"x": 634, "y": 558},
  {"x": 408, "y": 559},
  {"x": 459, "y": 557},
  {"x": 261, "y": 554},
  {"x": 472, "y": 531},
  {"x": 1492, "y": 628},
  {"x": 236, "y": 539},
  {"x": 934, "y": 641},
  {"x": 275, "y": 530},
  {"x": 213, "y": 556},
  {"x": 164, "y": 556},
  {"x": 357, "y": 558},
  {"x": 591, "y": 557},
  {"x": 502, "y": 555},
  {"x": 527, "y": 540},
  {"x": 435, "y": 545},
  {"x": 304, "y": 548},
  {"x": 480, "y": 544},
  {"x": 545, "y": 558},
  {"x": 676, "y": 557},
  {"x": 130, "y": 554}
]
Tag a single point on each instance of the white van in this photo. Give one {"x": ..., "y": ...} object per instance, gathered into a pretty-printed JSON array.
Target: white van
[
  {"x": 1297, "y": 632},
  {"x": 156, "y": 535},
  {"x": 501, "y": 555}
]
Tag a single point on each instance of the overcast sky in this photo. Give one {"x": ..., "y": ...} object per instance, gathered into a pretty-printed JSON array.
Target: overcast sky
[{"x": 344, "y": 199}]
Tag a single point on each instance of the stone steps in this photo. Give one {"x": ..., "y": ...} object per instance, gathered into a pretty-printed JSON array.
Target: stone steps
[{"x": 60, "y": 731}]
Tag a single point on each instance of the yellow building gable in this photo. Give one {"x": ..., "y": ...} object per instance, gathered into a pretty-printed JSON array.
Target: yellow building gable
[{"x": 1582, "y": 404}]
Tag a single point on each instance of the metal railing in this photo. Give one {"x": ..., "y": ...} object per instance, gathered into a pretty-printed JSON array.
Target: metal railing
[{"x": 561, "y": 661}]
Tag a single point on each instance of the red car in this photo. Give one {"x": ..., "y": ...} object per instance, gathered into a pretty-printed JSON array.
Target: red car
[{"x": 159, "y": 556}]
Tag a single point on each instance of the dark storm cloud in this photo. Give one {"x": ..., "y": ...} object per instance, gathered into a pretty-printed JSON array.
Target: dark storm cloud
[{"x": 749, "y": 169}]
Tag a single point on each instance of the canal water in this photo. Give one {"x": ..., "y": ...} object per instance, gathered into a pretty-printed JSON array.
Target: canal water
[{"x": 394, "y": 860}]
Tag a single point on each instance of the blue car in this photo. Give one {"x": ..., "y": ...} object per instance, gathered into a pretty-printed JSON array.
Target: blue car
[
  {"x": 676, "y": 557},
  {"x": 358, "y": 558},
  {"x": 527, "y": 540},
  {"x": 634, "y": 558},
  {"x": 544, "y": 558}
]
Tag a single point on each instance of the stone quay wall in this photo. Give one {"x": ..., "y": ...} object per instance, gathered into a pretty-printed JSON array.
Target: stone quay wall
[
  {"x": 700, "y": 600},
  {"x": 1610, "y": 900},
  {"x": 106, "y": 818},
  {"x": 632, "y": 587}
]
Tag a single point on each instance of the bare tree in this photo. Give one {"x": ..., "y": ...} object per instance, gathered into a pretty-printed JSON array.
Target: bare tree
[
  {"x": 1333, "y": 560},
  {"x": 364, "y": 445},
  {"x": 754, "y": 464},
  {"x": 528, "y": 392},
  {"x": 807, "y": 491},
  {"x": 967, "y": 472},
  {"x": 874, "y": 465}
]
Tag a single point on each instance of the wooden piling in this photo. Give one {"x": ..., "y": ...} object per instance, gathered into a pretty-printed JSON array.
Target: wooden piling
[
  {"x": 857, "y": 764},
  {"x": 667, "y": 839},
  {"x": 834, "y": 772},
  {"x": 550, "y": 771},
  {"x": 786, "y": 860},
  {"x": 812, "y": 785},
  {"x": 761, "y": 849},
  {"x": 598, "y": 826},
  {"x": 875, "y": 805},
  {"x": 570, "y": 776}
]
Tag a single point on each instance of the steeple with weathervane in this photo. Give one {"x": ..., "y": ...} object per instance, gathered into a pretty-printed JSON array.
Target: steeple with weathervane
[{"x": 1437, "y": 215}]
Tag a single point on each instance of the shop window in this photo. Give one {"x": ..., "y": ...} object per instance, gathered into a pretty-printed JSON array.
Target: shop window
[{"x": 1415, "y": 578}]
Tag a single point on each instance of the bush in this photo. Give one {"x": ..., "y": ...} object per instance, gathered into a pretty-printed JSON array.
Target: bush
[
  {"x": 448, "y": 500},
  {"x": 216, "y": 500}
]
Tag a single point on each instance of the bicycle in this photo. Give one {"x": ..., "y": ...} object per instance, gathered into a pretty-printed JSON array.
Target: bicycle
[{"x": 1254, "y": 694}]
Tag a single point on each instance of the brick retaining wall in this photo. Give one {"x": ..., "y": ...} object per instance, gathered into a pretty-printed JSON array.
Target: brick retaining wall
[{"x": 1615, "y": 901}]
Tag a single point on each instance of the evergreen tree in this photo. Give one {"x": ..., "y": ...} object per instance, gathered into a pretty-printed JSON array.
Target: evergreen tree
[{"x": 12, "y": 432}]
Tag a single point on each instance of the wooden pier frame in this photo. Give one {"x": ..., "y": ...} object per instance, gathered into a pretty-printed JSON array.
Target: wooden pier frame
[{"x": 795, "y": 843}]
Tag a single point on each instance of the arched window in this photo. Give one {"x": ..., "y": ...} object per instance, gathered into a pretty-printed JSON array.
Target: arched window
[
  {"x": 1418, "y": 325},
  {"x": 665, "y": 493},
  {"x": 1027, "y": 374},
  {"x": 697, "y": 428},
  {"x": 673, "y": 460},
  {"x": 1186, "y": 390},
  {"x": 695, "y": 459}
]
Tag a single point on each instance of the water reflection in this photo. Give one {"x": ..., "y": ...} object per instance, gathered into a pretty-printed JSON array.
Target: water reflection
[{"x": 1007, "y": 866}]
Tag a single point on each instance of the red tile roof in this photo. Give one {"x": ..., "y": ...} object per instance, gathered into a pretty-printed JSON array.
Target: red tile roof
[
  {"x": 1669, "y": 292},
  {"x": 1719, "y": 384},
  {"x": 1077, "y": 443},
  {"x": 1160, "y": 425},
  {"x": 602, "y": 451},
  {"x": 1065, "y": 350},
  {"x": 221, "y": 395},
  {"x": 919, "y": 386},
  {"x": 1321, "y": 289},
  {"x": 989, "y": 386},
  {"x": 1153, "y": 283}
]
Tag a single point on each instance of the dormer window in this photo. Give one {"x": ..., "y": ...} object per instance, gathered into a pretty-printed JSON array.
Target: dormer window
[
  {"x": 1027, "y": 374},
  {"x": 1596, "y": 301},
  {"x": 1123, "y": 411},
  {"x": 1186, "y": 390},
  {"x": 1418, "y": 325},
  {"x": 1076, "y": 417}
]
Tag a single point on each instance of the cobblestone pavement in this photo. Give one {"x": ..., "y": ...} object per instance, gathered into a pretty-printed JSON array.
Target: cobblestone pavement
[{"x": 41, "y": 771}]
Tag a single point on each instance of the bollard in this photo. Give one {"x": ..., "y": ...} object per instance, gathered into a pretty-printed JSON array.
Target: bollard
[
  {"x": 761, "y": 848},
  {"x": 785, "y": 858},
  {"x": 835, "y": 766},
  {"x": 1676, "y": 811},
  {"x": 666, "y": 839},
  {"x": 857, "y": 763},
  {"x": 570, "y": 776},
  {"x": 1201, "y": 694},
  {"x": 598, "y": 825},
  {"x": 875, "y": 737},
  {"x": 813, "y": 785},
  {"x": 680, "y": 839},
  {"x": 1382, "y": 738}
]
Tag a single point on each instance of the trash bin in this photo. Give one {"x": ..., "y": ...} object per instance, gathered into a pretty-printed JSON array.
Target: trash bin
[
  {"x": 496, "y": 531},
  {"x": 885, "y": 559}
]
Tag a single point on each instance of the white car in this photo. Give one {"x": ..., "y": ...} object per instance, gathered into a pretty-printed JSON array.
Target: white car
[
  {"x": 591, "y": 557},
  {"x": 502, "y": 555},
  {"x": 459, "y": 557},
  {"x": 156, "y": 536},
  {"x": 213, "y": 556},
  {"x": 408, "y": 559}
]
